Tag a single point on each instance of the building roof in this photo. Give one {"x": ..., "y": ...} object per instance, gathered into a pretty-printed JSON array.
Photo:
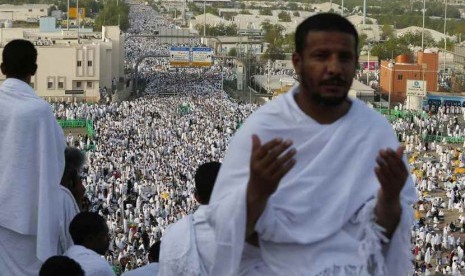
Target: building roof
[
  {"x": 25, "y": 6},
  {"x": 437, "y": 36},
  {"x": 210, "y": 18},
  {"x": 360, "y": 87}
]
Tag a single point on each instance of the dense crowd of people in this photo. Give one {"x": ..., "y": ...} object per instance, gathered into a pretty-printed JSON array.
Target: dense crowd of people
[{"x": 140, "y": 175}]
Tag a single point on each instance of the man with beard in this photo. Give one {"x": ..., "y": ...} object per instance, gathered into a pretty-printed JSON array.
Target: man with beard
[{"x": 327, "y": 192}]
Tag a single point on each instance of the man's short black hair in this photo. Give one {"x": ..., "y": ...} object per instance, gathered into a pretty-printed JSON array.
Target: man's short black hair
[
  {"x": 154, "y": 252},
  {"x": 19, "y": 59},
  {"x": 61, "y": 265},
  {"x": 205, "y": 178},
  {"x": 323, "y": 22},
  {"x": 86, "y": 224}
]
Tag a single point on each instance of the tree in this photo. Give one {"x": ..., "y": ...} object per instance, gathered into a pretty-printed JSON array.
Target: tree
[
  {"x": 232, "y": 52},
  {"x": 274, "y": 53},
  {"x": 273, "y": 33},
  {"x": 387, "y": 32},
  {"x": 284, "y": 16},
  {"x": 266, "y": 11},
  {"x": 296, "y": 14},
  {"x": 218, "y": 30},
  {"x": 276, "y": 40},
  {"x": 390, "y": 49},
  {"x": 292, "y": 6},
  {"x": 112, "y": 13}
]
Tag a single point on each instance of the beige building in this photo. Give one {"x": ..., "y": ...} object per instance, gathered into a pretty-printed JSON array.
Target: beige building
[
  {"x": 26, "y": 12},
  {"x": 72, "y": 68}
]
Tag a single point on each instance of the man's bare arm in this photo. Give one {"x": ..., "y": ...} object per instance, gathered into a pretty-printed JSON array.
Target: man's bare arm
[
  {"x": 392, "y": 175},
  {"x": 269, "y": 163}
]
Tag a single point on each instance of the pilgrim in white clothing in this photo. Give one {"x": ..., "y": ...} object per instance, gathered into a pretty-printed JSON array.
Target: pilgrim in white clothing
[{"x": 321, "y": 218}]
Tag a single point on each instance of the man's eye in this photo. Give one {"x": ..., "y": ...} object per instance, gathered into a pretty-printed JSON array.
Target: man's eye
[{"x": 319, "y": 56}]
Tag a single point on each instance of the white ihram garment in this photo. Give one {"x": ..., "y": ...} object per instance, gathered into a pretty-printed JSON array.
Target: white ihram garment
[{"x": 321, "y": 219}]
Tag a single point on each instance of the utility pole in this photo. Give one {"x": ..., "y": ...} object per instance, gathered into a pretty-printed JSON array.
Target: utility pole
[
  {"x": 67, "y": 17},
  {"x": 342, "y": 7},
  {"x": 364, "y": 11},
  {"x": 445, "y": 38},
  {"x": 423, "y": 29},
  {"x": 204, "y": 18}
]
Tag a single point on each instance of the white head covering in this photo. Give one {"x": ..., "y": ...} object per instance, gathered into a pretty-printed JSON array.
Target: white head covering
[{"x": 32, "y": 148}]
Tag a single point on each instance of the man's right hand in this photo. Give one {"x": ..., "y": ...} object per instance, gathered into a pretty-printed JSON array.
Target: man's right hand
[{"x": 269, "y": 163}]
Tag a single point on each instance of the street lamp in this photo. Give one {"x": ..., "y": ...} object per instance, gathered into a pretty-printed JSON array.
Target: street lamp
[
  {"x": 390, "y": 66},
  {"x": 368, "y": 64},
  {"x": 445, "y": 39},
  {"x": 204, "y": 17}
]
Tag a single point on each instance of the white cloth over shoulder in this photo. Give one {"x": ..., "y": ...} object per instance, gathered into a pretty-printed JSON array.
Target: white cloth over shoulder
[
  {"x": 92, "y": 263},
  {"x": 16, "y": 256},
  {"x": 178, "y": 251},
  {"x": 305, "y": 228},
  {"x": 69, "y": 210},
  {"x": 187, "y": 246},
  {"x": 146, "y": 270},
  {"x": 32, "y": 160}
]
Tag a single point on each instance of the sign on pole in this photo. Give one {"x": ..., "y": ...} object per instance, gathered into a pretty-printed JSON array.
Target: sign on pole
[
  {"x": 180, "y": 56},
  {"x": 202, "y": 56},
  {"x": 416, "y": 88}
]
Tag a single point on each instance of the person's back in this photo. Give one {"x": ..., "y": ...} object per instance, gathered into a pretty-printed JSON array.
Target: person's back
[
  {"x": 188, "y": 245},
  {"x": 31, "y": 164},
  {"x": 91, "y": 240}
]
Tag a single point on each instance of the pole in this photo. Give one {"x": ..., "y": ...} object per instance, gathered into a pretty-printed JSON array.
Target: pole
[
  {"x": 78, "y": 19},
  {"x": 364, "y": 11},
  {"x": 204, "y": 18},
  {"x": 390, "y": 88},
  {"x": 445, "y": 39},
  {"x": 342, "y": 8},
  {"x": 67, "y": 17},
  {"x": 368, "y": 65},
  {"x": 423, "y": 29}
]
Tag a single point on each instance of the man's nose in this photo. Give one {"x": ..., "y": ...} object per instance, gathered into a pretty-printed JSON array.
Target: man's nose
[{"x": 334, "y": 66}]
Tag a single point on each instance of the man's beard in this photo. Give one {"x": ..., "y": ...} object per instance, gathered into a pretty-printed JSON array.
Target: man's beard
[{"x": 317, "y": 98}]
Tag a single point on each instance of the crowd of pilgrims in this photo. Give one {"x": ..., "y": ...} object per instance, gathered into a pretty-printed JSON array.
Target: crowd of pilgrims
[{"x": 140, "y": 175}]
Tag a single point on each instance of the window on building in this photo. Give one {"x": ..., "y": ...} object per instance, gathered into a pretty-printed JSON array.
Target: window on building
[
  {"x": 400, "y": 77},
  {"x": 41, "y": 10},
  {"x": 89, "y": 84},
  {"x": 50, "y": 82},
  {"x": 79, "y": 63},
  {"x": 89, "y": 63},
  {"x": 61, "y": 82},
  {"x": 78, "y": 84},
  {"x": 30, "y": 10}
]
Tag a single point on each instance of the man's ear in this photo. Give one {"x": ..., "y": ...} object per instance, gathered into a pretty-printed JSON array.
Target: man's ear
[
  {"x": 2, "y": 67},
  {"x": 34, "y": 70},
  {"x": 296, "y": 61}
]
